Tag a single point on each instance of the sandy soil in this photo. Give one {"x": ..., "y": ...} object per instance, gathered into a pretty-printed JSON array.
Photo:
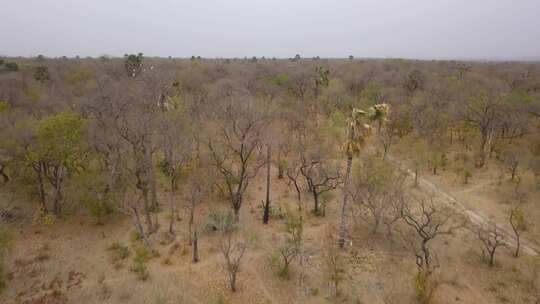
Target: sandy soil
[{"x": 68, "y": 262}]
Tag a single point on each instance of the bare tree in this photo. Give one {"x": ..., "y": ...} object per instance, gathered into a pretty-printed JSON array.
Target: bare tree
[
  {"x": 233, "y": 251},
  {"x": 266, "y": 203},
  {"x": 429, "y": 222},
  {"x": 194, "y": 196},
  {"x": 483, "y": 112},
  {"x": 491, "y": 237},
  {"x": 293, "y": 174},
  {"x": 320, "y": 178},
  {"x": 233, "y": 150},
  {"x": 176, "y": 144}
]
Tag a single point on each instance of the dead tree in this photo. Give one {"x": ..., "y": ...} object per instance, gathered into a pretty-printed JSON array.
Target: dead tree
[
  {"x": 233, "y": 149},
  {"x": 177, "y": 146},
  {"x": 428, "y": 221},
  {"x": 266, "y": 204},
  {"x": 194, "y": 196},
  {"x": 491, "y": 238},
  {"x": 233, "y": 251},
  {"x": 293, "y": 174},
  {"x": 320, "y": 179}
]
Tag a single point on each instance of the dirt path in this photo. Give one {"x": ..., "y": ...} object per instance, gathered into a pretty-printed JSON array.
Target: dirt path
[{"x": 474, "y": 216}]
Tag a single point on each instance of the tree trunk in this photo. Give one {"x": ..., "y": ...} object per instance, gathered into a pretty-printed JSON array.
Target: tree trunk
[
  {"x": 138, "y": 225},
  {"x": 58, "y": 180},
  {"x": 4, "y": 174},
  {"x": 195, "y": 247},
  {"x": 343, "y": 223},
  {"x": 266, "y": 215},
  {"x": 190, "y": 224},
  {"x": 42, "y": 202},
  {"x": 232, "y": 278},
  {"x": 280, "y": 166},
  {"x": 151, "y": 175},
  {"x": 315, "y": 201},
  {"x": 147, "y": 211},
  {"x": 173, "y": 207}
]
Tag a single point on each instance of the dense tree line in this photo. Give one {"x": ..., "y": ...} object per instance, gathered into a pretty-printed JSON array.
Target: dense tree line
[{"x": 99, "y": 134}]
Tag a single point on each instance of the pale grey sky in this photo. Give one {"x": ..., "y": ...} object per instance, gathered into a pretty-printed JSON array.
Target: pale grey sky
[{"x": 281, "y": 28}]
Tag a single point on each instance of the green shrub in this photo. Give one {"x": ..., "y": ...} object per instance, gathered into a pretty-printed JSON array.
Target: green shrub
[
  {"x": 11, "y": 66},
  {"x": 5, "y": 239},
  {"x": 142, "y": 256},
  {"x": 119, "y": 251},
  {"x": 220, "y": 220}
]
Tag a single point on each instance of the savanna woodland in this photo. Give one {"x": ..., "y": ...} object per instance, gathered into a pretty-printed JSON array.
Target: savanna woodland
[{"x": 263, "y": 180}]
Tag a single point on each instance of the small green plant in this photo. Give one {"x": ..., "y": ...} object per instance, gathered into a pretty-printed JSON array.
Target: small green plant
[
  {"x": 293, "y": 243},
  {"x": 219, "y": 220},
  {"x": 119, "y": 251},
  {"x": 141, "y": 257},
  {"x": 5, "y": 239},
  {"x": 134, "y": 236},
  {"x": 424, "y": 287}
]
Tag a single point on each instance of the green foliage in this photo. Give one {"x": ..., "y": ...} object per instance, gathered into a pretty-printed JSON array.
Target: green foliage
[
  {"x": 61, "y": 139},
  {"x": 33, "y": 93},
  {"x": 4, "y": 106},
  {"x": 119, "y": 251},
  {"x": 90, "y": 189},
  {"x": 292, "y": 245},
  {"x": 220, "y": 220},
  {"x": 517, "y": 218},
  {"x": 11, "y": 66},
  {"x": 80, "y": 75},
  {"x": 280, "y": 79},
  {"x": 370, "y": 95},
  {"x": 133, "y": 64},
  {"x": 141, "y": 257},
  {"x": 520, "y": 98},
  {"x": 424, "y": 287},
  {"x": 5, "y": 239},
  {"x": 41, "y": 74}
]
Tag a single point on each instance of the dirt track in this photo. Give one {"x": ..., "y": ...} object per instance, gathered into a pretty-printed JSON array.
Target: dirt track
[{"x": 474, "y": 216}]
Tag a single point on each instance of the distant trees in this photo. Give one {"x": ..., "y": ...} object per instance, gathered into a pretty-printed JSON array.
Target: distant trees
[
  {"x": 483, "y": 112},
  {"x": 41, "y": 74},
  {"x": 133, "y": 64},
  {"x": 11, "y": 66}
]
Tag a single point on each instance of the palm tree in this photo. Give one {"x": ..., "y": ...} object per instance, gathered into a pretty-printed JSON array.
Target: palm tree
[{"x": 357, "y": 133}]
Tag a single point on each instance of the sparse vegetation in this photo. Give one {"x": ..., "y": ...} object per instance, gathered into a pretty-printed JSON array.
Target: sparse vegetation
[{"x": 203, "y": 160}]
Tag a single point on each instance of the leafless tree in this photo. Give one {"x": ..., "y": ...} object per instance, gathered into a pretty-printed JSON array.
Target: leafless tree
[
  {"x": 491, "y": 238},
  {"x": 234, "y": 150},
  {"x": 177, "y": 146},
  {"x": 429, "y": 222},
  {"x": 320, "y": 178},
  {"x": 233, "y": 251},
  {"x": 294, "y": 174}
]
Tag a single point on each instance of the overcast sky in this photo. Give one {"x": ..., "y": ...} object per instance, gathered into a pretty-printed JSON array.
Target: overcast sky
[{"x": 425, "y": 29}]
